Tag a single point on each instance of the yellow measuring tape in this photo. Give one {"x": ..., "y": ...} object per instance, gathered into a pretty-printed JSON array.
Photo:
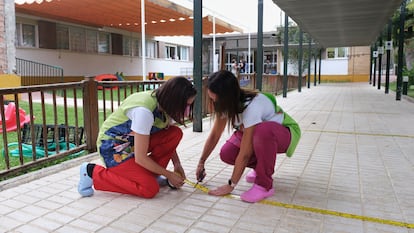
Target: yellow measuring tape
[{"x": 314, "y": 210}]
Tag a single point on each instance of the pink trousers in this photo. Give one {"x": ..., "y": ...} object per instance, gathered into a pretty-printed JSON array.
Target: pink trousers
[
  {"x": 131, "y": 178},
  {"x": 269, "y": 138}
]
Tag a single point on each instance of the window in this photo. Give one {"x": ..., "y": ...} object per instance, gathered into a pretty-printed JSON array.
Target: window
[
  {"x": 62, "y": 37},
  {"x": 341, "y": 52},
  {"x": 91, "y": 41},
  {"x": 151, "y": 49},
  {"x": 183, "y": 53},
  {"x": 335, "y": 53},
  {"x": 17, "y": 35},
  {"x": 77, "y": 39},
  {"x": 130, "y": 46},
  {"x": 104, "y": 42},
  {"x": 171, "y": 52},
  {"x": 25, "y": 35}
]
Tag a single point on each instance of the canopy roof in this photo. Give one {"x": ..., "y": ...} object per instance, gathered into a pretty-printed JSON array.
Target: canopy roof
[
  {"x": 341, "y": 23},
  {"x": 163, "y": 18}
]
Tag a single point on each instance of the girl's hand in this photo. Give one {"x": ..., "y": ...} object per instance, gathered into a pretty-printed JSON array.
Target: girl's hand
[
  {"x": 175, "y": 179},
  {"x": 221, "y": 191},
  {"x": 200, "y": 173},
  {"x": 178, "y": 169}
]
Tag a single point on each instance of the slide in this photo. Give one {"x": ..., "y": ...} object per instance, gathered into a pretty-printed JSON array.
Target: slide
[
  {"x": 106, "y": 77},
  {"x": 10, "y": 117}
]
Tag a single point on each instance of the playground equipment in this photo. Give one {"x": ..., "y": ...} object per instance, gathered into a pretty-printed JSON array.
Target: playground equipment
[
  {"x": 73, "y": 135},
  {"x": 10, "y": 114},
  {"x": 106, "y": 77}
]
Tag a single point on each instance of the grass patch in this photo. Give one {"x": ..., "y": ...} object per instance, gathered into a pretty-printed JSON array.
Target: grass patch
[
  {"x": 50, "y": 119},
  {"x": 410, "y": 90}
]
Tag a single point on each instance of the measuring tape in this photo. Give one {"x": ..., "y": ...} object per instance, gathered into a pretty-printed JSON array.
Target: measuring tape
[{"x": 312, "y": 209}]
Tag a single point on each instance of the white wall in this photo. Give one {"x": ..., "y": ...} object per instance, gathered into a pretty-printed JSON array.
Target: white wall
[
  {"x": 328, "y": 67},
  {"x": 83, "y": 64},
  {"x": 334, "y": 67}
]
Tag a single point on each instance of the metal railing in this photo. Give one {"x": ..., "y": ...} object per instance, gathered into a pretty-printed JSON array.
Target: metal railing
[
  {"x": 271, "y": 83},
  {"x": 37, "y": 124},
  {"x": 34, "y": 73}
]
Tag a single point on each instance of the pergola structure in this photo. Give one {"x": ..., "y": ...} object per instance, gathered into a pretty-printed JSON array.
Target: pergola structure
[
  {"x": 162, "y": 17},
  {"x": 339, "y": 23}
]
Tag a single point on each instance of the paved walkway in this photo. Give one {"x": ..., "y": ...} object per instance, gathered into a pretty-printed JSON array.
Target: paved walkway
[{"x": 353, "y": 171}]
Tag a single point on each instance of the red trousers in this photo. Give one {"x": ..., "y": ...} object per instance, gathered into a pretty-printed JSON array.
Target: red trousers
[
  {"x": 269, "y": 138},
  {"x": 129, "y": 177}
]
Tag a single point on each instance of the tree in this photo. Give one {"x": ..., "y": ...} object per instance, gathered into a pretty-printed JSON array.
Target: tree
[
  {"x": 293, "y": 54},
  {"x": 408, "y": 64}
]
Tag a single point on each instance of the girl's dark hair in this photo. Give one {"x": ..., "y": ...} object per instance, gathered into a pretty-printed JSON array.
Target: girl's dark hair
[
  {"x": 172, "y": 97},
  {"x": 231, "y": 99}
]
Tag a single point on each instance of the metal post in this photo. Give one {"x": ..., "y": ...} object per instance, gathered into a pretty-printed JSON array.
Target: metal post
[
  {"x": 370, "y": 65},
  {"x": 197, "y": 71},
  {"x": 400, "y": 51},
  {"x": 405, "y": 85},
  {"x": 380, "y": 52},
  {"x": 285, "y": 54},
  {"x": 259, "y": 58},
  {"x": 320, "y": 65},
  {"x": 375, "y": 64},
  {"x": 309, "y": 61},
  {"x": 314, "y": 76},
  {"x": 300, "y": 60},
  {"x": 388, "y": 47}
]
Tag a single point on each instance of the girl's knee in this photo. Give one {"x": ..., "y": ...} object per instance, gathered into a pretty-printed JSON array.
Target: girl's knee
[
  {"x": 176, "y": 133},
  {"x": 228, "y": 153},
  {"x": 150, "y": 191},
  {"x": 171, "y": 136}
]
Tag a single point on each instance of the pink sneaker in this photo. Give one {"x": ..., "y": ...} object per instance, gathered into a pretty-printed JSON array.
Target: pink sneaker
[
  {"x": 251, "y": 176},
  {"x": 256, "y": 193}
]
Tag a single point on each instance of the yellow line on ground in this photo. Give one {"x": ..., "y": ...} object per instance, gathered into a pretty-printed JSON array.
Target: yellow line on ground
[
  {"x": 361, "y": 133},
  {"x": 314, "y": 210}
]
